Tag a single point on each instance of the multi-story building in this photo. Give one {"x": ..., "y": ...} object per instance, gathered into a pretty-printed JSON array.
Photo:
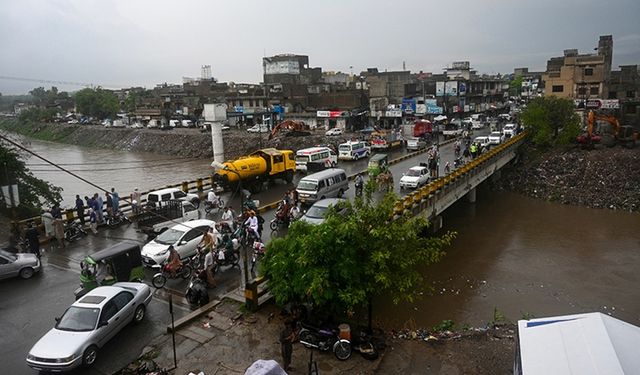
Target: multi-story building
[
  {"x": 580, "y": 76},
  {"x": 625, "y": 87}
]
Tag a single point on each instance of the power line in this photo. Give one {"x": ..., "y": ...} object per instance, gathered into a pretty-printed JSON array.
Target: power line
[{"x": 70, "y": 83}]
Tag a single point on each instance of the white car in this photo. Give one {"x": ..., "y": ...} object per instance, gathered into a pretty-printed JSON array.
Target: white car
[
  {"x": 259, "y": 128},
  {"x": 87, "y": 325},
  {"x": 334, "y": 131},
  {"x": 483, "y": 141},
  {"x": 136, "y": 125},
  {"x": 509, "y": 130},
  {"x": 24, "y": 265},
  {"x": 495, "y": 138},
  {"x": 316, "y": 213},
  {"x": 415, "y": 177},
  {"x": 477, "y": 124},
  {"x": 184, "y": 237}
]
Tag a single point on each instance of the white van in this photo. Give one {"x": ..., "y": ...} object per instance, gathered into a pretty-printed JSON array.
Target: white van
[
  {"x": 320, "y": 157},
  {"x": 330, "y": 183},
  {"x": 158, "y": 197},
  {"x": 174, "y": 123},
  {"x": 353, "y": 150}
]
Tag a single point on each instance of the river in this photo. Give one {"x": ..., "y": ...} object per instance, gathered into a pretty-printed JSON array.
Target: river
[{"x": 516, "y": 255}]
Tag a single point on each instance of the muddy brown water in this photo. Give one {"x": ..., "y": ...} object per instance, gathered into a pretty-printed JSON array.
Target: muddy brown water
[
  {"x": 519, "y": 256},
  {"x": 525, "y": 257}
]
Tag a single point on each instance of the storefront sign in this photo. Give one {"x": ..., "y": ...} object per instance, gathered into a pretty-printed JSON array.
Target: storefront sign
[{"x": 329, "y": 114}]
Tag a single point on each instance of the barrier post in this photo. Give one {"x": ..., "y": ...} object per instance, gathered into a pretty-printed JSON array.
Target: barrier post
[
  {"x": 199, "y": 184},
  {"x": 185, "y": 186}
]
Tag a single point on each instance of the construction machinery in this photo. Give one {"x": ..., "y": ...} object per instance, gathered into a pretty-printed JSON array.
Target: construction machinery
[
  {"x": 254, "y": 170},
  {"x": 608, "y": 135},
  {"x": 291, "y": 128}
]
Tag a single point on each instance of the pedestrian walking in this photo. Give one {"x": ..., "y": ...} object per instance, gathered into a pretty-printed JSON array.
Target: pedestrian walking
[
  {"x": 93, "y": 221},
  {"x": 135, "y": 201},
  {"x": 32, "y": 237},
  {"x": 58, "y": 228},
  {"x": 447, "y": 168},
  {"x": 80, "y": 209},
  {"x": 109, "y": 201},
  {"x": 47, "y": 221},
  {"x": 56, "y": 212},
  {"x": 116, "y": 200},
  {"x": 287, "y": 337},
  {"x": 208, "y": 267},
  {"x": 99, "y": 207}
]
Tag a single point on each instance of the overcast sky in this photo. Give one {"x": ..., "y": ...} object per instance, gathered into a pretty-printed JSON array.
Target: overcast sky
[{"x": 141, "y": 43}]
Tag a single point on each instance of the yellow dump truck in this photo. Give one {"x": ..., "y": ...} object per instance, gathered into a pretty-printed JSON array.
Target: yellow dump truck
[{"x": 257, "y": 168}]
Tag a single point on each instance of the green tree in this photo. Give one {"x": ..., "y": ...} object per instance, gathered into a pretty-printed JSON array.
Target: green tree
[
  {"x": 33, "y": 192},
  {"x": 515, "y": 86},
  {"x": 97, "y": 103},
  {"x": 343, "y": 263},
  {"x": 551, "y": 121}
]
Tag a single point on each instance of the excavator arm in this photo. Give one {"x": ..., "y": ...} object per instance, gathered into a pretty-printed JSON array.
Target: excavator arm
[{"x": 293, "y": 128}]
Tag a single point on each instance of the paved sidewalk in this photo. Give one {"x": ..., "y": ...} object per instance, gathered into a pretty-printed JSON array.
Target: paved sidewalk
[{"x": 215, "y": 343}]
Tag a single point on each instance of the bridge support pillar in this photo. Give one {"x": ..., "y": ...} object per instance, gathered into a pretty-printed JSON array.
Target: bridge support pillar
[
  {"x": 471, "y": 195},
  {"x": 436, "y": 224}
]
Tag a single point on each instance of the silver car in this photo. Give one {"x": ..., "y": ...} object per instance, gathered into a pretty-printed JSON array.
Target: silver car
[
  {"x": 316, "y": 213},
  {"x": 87, "y": 325},
  {"x": 24, "y": 265}
]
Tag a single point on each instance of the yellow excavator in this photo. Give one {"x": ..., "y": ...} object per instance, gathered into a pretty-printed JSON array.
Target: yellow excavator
[{"x": 609, "y": 136}]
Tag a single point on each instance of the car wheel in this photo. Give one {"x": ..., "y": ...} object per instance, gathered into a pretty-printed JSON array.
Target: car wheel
[
  {"x": 26, "y": 273},
  {"x": 355, "y": 157},
  {"x": 139, "y": 314},
  {"x": 89, "y": 356}
]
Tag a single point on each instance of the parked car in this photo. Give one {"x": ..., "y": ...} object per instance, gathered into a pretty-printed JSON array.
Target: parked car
[
  {"x": 24, "y": 265},
  {"x": 495, "y": 138},
  {"x": 414, "y": 144},
  {"x": 334, "y": 131},
  {"x": 136, "y": 125},
  {"x": 157, "y": 197},
  {"x": 153, "y": 124},
  {"x": 414, "y": 177},
  {"x": 259, "y": 128},
  {"x": 184, "y": 237},
  {"x": 88, "y": 324},
  {"x": 316, "y": 213}
]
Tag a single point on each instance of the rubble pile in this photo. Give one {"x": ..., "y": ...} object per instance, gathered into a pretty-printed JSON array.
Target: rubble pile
[{"x": 600, "y": 178}]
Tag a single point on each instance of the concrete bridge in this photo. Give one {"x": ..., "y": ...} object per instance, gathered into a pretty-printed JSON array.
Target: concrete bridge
[{"x": 433, "y": 199}]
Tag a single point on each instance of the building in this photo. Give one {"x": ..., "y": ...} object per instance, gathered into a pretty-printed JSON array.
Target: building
[
  {"x": 290, "y": 69},
  {"x": 624, "y": 86},
  {"x": 580, "y": 76}
]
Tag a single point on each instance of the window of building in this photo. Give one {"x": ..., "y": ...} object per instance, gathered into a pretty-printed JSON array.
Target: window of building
[
  {"x": 613, "y": 95},
  {"x": 250, "y": 103},
  {"x": 240, "y": 103},
  {"x": 595, "y": 90},
  {"x": 557, "y": 88},
  {"x": 582, "y": 91},
  {"x": 631, "y": 94},
  {"x": 631, "y": 109},
  {"x": 588, "y": 71}
]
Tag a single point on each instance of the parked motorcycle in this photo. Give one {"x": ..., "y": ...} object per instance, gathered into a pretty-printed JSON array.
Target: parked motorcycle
[
  {"x": 73, "y": 231},
  {"x": 197, "y": 293},
  {"x": 324, "y": 339},
  {"x": 216, "y": 205},
  {"x": 362, "y": 343},
  {"x": 117, "y": 219},
  {"x": 160, "y": 279}
]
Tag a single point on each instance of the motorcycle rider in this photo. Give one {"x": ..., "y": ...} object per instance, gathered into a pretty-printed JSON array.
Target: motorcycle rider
[
  {"x": 227, "y": 217},
  {"x": 212, "y": 198},
  {"x": 173, "y": 262},
  {"x": 252, "y": 222}
]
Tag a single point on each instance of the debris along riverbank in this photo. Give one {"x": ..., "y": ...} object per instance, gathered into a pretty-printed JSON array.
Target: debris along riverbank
[
  {"x": 190, "y": 143},
  {"x": 601, "y": 178}
]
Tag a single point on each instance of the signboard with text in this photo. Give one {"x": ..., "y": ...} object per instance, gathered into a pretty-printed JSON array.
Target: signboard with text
[
  {"x": 330, "y": 114},
  {"x": 451, "y": 88}
]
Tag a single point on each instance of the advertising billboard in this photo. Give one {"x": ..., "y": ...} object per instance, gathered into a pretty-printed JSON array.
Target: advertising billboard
[
  {"x": 282, "y": 67},
  {"x": 409, "y": 105},
  {"x": 432, "y": 107},
  {"x": 451, "y": 88}
]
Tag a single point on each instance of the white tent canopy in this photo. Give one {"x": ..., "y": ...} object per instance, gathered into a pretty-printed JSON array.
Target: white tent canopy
[
  {"x": 440, "y": 118},
  {"x": 584, "y": 344}
]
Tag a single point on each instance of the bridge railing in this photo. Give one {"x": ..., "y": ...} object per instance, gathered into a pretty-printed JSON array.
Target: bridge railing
[{"x": 421, "y": 195}]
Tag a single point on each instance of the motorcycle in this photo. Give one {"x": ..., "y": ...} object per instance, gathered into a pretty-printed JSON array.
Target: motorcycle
[
  {"x": 324, "y": 340},
  {"x": 117, "y": 219},
  {"x": 73, "y": 231},
  {"x": 227, "y": 255},
  {"x": 197, "y": 293},
  {"x": 218, "y": 204},
  {"x": 457, "y": 162},
  {"x": 285, "y": 215},
  {"x": 160, "y": 279},
  {"x": 362, "y": 343}
]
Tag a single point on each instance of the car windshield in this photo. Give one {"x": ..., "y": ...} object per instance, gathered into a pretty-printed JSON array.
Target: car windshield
[
  {"x": 307, "y": 185},
  {"x": 413, "y": 173},
  {"x": 169, "y": 237},
  {"x": 344, "y": 148},
  {"x": 302, "y": 159},
  {"x": 78, "y": 319},
  {"x": 495, "y": 134},
  {"x": 8, "y": 255},
  {"x": 317, "y": 212}
]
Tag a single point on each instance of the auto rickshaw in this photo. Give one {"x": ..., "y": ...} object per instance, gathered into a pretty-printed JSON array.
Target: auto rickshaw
[
  {"x": 120, "y": 262},
  {"x": 377, "y": 163}
]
